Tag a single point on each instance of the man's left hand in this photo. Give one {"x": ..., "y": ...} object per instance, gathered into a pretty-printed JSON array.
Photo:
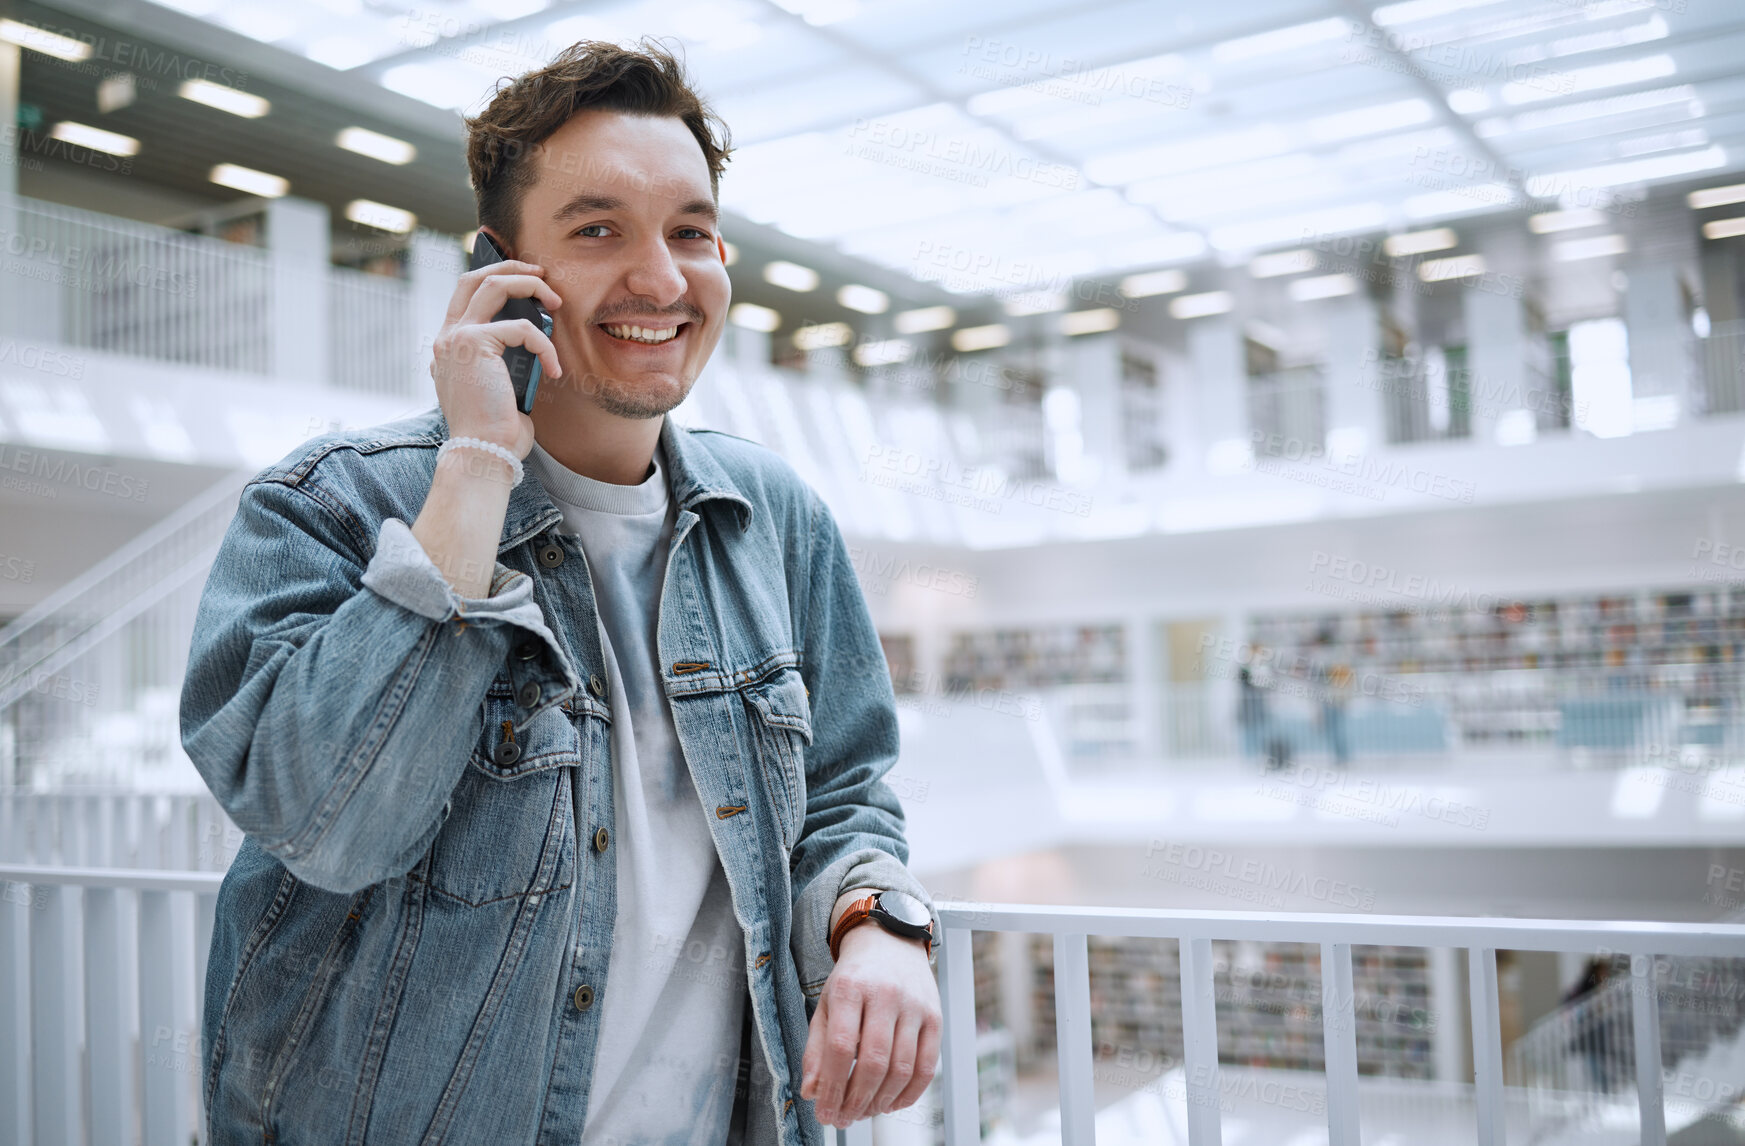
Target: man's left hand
[{"x": 879, "y": 1014}]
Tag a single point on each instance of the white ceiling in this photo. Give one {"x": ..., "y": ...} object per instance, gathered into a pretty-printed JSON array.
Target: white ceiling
[{"x": 993, "y": 146}]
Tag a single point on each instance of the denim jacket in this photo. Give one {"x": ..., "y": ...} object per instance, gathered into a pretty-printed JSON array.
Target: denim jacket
[{"x": 412, "y": 941}]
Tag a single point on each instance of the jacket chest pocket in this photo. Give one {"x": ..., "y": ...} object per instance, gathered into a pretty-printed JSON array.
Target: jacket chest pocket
[
  {"x": 781, "y": 726},
  {"x": 508, "y": 832}
]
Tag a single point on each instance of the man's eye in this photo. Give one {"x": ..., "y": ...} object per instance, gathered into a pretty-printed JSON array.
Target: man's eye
[
  {"x": 600, "y": 230},
  {"x": 692, "y": 233}
]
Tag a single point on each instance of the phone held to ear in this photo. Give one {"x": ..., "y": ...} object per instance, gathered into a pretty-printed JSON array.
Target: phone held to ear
[{"x": 523, "y": 364}]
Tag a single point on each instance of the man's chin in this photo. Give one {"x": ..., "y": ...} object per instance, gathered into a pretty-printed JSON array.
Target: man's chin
[{"x": 643, "y": 399}]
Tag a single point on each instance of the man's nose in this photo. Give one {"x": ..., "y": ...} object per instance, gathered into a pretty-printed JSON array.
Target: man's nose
[{"x": 653, "y": 273}]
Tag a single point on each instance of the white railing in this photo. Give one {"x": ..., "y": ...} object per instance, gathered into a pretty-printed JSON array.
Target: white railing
[
  {"x": 102, "y": 283},
  {"x": 101, "y": 977},
  {"x": 1336, "y": 934},
  {"x": 370, "y": 333},
  {"x": 1290, "y": 404},
  {"x": 182, "y": 831}
]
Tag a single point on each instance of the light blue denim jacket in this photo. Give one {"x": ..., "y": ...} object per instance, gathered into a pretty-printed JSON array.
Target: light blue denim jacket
[{"x": 412, "y": 942}]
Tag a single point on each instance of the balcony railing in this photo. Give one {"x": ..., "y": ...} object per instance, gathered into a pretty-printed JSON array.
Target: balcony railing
[{"x": 101, "y": 970}]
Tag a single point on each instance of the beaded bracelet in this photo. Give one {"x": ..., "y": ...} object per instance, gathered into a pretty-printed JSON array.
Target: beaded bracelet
[{"x": 488, "y": 447}]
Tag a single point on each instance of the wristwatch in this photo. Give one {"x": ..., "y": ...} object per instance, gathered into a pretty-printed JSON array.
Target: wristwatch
[{"x": 897, "y": 912}]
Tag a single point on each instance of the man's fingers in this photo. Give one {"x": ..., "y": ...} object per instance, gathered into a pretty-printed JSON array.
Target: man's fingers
[
  {"x": 814, "y": 1056},
  {"x": 926, "y": 1062},
  {"x": 902, "y": 1065},
  {"x": 841, "y": 1039},
  {"x": 469, "y": 283},
  {"x": 496, "y": 290},
  {"x": 520, "y": 332}
]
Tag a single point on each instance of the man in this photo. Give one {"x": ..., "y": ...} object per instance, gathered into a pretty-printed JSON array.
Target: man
[{"x": 563, "y": 802}]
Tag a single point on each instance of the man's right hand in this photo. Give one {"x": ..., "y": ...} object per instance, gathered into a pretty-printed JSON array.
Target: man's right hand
[{"x": 472, "y": 382}]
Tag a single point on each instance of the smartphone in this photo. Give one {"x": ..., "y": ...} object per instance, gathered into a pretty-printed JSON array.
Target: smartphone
[{"x": 523, "y": 364}]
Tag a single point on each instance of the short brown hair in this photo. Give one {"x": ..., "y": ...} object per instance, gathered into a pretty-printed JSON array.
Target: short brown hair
[{"x": 586, "y": 76}]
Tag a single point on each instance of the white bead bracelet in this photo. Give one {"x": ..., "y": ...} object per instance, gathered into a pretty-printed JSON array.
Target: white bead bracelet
[{"x": 489, "y": 448}]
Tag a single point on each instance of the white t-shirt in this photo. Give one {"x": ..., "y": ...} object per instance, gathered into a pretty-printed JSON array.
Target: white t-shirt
[{"x": 675, "y": 980}]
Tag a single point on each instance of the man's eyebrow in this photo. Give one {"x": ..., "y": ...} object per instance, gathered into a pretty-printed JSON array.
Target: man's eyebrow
[
  {"x": 703, "y": 207},
  {"x": 586, "y": 202}
]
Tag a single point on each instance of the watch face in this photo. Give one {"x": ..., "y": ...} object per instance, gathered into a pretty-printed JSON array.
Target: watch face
[{"x": 904, "y": 908}]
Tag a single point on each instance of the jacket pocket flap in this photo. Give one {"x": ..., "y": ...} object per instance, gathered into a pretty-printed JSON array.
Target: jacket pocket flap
[{"x": 781, "y": 700}]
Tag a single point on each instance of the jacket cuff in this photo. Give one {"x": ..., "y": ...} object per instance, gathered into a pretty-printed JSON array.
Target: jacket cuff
[
  {"x": 867, "y": 868},
  {"x": 402, "y": 572}
]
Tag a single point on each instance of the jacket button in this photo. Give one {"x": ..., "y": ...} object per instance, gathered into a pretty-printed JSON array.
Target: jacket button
[
  {"x": 601, "y": 839},
  {"x": 506, "y": 753},
  {"x": 529, "y": 694},
  {"x": 584, "y": 997},
  {"x": 551, "y": 555},
  {"x": 597, "y": 686},
  {"x": 527, "y": 650}
]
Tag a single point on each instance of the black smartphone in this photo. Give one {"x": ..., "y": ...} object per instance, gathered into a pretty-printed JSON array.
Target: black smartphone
[{"x": 523, "y": 364}]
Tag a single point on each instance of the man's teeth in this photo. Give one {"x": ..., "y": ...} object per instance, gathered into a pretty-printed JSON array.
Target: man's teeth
[{"x": 642, "y": 334}]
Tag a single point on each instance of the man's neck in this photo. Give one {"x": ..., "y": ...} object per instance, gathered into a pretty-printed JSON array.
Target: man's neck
[{"x": 599, "y": 445}]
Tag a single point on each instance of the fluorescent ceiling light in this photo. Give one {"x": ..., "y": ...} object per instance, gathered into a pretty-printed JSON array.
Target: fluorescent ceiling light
[
  {"x": 1201, "y": 305},
  {"x": 1654, "y": 28},
  {"x": 44, "y": 41},
  {"x": 1555, "y": 117},
  {"x": 1035, "y": 302},
  {"x": 1282, "y": 263},
  {"x": 1631, "y": 171},
  {"x": 1598, "y": 247},
  {"x": 883, "y": 352},
  {"x": 822, "y": 336},
  {"x": 925, "y": 319},
  {"x": 1469, "y": 101},
  {"x": 1419, "y": 242},
  {"x": 1458, "y": 267},
  {"x": 249, "y": 180},
  {"x": 1322, "y": 286},
  {"x": 1371, "y": 120},
  {"x": 1724, "y": 228},
  {"x": 1550, "y": 222},
  {"x": 1282, "y": 40},
  {"x": 754, "y": 317},
  {"x": 380, "y": 216},
  {"x": 246, "y": 104},
  {"x": 374, "y": 144},
  {"x": 1555, "y": 85},
  {"x": 1716, "y": 196},
  {"x": 864, "y": 299},
  {"x": 730, "y": 253},
  {"x": 1415, "y": 10},
  {"x": 973, "y": 338},
  {"x": 1090, "y": 321},
  {"x": 1193, "y": 154},
  {"x": 116, "y": 92},
  {"x": 1148, "y": 283},
  {"x": 95, "y": 138},
  {"x": 792, "y": 276}
]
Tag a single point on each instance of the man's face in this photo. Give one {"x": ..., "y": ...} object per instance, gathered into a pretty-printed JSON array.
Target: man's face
[{"x": 621, "y": 218}]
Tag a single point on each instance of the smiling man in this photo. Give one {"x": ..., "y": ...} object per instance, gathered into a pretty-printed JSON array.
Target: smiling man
[{"x": 564, "y": 803}]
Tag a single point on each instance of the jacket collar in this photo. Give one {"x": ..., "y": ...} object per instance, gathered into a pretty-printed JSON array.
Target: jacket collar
[{"x": 696, "y": 477}]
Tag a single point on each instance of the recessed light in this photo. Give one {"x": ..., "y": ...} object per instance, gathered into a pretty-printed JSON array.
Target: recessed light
[
  {"x": 883, "y": 352},
  {"x": 44, "y": 41},
  {"x": 925, "y": 319},
  {"x": 374, "y": 144},
  {"x": 95, "y": 138},
  {"x": 1322, "y": 286},
  {"x": 1419, "y": 242},
  {"x": 1282, "y": 263},
  {"x": 1153, "y": 282},
  {"x": 823, "y": 335},
  {"x": 1550, "y": 222},
  {"x": 792, "y": 276},
  {"x": 1458, "y": 267},
  {"x": 864, "y": 299},
  {"x": 246, "y": 104},
  {"x": 1598, "y": 247},
  {"x": 1725, "y": 228},
  {"x": 249, "y": 180},
  {"x": 380, "y": 216},
  {"x": 973, "y": 338},
  {"x": 1201, "y": 305},
  {"x": 1716, "y": 196},
  {"x": 1090, "y": 321},
  {"x": 754, "y": 317}
]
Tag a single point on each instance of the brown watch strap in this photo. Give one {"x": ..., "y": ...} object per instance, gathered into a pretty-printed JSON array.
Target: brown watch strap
[{"x": 854, "y": 916}]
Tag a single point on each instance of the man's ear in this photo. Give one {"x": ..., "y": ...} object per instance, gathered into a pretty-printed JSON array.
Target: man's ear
[{"x": 720, "y": 247}]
